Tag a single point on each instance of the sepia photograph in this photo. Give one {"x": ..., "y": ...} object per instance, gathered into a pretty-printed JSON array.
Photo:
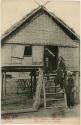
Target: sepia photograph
[{"x": 40, "y": 62}]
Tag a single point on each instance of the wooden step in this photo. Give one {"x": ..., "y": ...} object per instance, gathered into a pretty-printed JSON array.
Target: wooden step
[
  {"x": 50, "y": 84},
  {"x": 54, "y": 93},
  {"x": 49, "y": 75},
  {"x": 51, "y": 80},
  {"x": 49, "y": 99},
  {"x": 57, "y": 104},
  {"x": 49, "y": 107},
  {"x": 52, "y": 87},
  {"x": 52, "y": 90}
]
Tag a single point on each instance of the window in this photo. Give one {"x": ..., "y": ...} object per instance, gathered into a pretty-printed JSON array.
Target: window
[{"x": 28, "y": 51}]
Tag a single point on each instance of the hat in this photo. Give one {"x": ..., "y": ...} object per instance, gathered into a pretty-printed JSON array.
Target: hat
[{"x": 69, "y": 73}]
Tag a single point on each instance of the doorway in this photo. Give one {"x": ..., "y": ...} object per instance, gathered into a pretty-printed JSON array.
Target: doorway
[{"x": 50, "y": 58}]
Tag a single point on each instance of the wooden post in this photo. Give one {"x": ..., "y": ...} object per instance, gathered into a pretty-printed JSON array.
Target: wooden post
[
  {"x": 55, "y": 88},
  {"x": 77, "y": 86},
  {"x": 2, "y": 86},
  {"x": 34, "y": 82},
  {"x": 31, "y": 83},
  {"x": 44, "y": 93},
  {"x": 36, "y": 103},
  {"x": 65, "y": 99},
  {"x": 5, "y": 82}
]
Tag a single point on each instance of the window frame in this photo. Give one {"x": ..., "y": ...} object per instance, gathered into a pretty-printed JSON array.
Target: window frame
[{"x": 25, "y": 49}]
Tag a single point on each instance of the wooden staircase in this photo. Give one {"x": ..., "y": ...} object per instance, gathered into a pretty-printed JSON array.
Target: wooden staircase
[{"x": 54, "y": 96}]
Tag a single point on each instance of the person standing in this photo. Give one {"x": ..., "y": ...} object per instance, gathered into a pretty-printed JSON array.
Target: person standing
[
  {"x": 69, "y": 90},
  {"x": 61, "y": 72}
]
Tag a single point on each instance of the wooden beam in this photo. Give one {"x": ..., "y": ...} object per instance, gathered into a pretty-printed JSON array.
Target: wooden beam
[
  {"x": 51, "y": 53},
  {"x": 19, "y": 68},
  {"x": 52, "y": 43}
]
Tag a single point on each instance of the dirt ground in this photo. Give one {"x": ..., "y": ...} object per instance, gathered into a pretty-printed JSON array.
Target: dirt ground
[
  {"x": 53, "y": 112},
  {"x": 45, "y": 114},
  {"x": 42, "y": 115}
]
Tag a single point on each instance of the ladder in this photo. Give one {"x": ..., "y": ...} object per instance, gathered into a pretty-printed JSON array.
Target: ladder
[{"x": 53, "y": 95}]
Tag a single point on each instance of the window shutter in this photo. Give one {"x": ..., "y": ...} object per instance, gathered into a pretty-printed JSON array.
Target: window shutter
[{"x": 18, "y": 51}]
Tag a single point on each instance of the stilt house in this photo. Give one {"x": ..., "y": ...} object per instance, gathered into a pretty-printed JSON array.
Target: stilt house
[{"x": 35, "y": 42}]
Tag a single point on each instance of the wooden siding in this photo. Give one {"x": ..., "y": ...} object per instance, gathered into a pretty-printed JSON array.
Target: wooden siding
[
  {"x": 41, "y": 30},
  {"x": 71, "y": 57},
  {"x": 38, "y": 53},
  {"x": 14, "y": 55},
  {"x": 17, "y": 51},
  {"x": 16, "y": 61},
  {"x": 6, "y": 54},
  {"x": 27, "y": 61}
]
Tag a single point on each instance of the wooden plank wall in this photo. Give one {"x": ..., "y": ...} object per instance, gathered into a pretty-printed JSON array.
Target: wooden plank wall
[
  {"x": 9, "y": 55},
  {"x": 71, "y": 57},
  {"x": 42, "y": 29},
  {"x": 38, "y": 53},
  {"x": 6, "y": 54}
]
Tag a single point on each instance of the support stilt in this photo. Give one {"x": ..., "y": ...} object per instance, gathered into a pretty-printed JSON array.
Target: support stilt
[
  {"x": 36, "y": 103},
  {"x": 2, "y": 86},
  {"x": 65, "y": 99},
  {"x": 5, "y": 82},
  {"x": 31, "y": 83},
  {"x": 34, "y": 82},
  {"x": 44, "y": 94},
  {"x": 77, "y": 87}
]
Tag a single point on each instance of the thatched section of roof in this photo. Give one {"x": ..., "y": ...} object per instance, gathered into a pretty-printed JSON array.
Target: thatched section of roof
[{"x": 70, "y": 32}]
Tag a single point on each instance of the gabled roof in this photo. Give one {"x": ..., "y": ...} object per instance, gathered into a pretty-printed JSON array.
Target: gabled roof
[{"x": 70, "y": 32}]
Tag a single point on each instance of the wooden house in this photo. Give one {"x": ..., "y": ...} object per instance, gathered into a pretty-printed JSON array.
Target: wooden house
[{"x": 36, "y": 41}]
